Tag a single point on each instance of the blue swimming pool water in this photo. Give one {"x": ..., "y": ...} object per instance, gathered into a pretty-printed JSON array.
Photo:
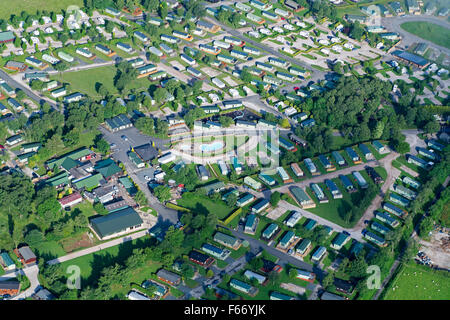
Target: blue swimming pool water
[{"x": 211, "y": 146}]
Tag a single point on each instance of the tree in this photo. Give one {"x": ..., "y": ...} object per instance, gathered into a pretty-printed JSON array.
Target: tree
[
  {"x": 275, "y": 197},
  {"x": 102, "y": 145},
  {"x": 284, "y": 123},
  {"x": 231, "y": 200},
  {"x": 327, "y": 281},
  {"x": 226, "y": 121},
  {"x": 140, "y": 198},
  {"x": 210, "y": 273},
  {"x": 162, "y": 193},
  {"x": 256, "y": 263}
]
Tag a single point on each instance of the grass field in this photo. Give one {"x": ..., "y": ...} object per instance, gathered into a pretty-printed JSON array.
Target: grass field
[
  {"x": 416, "y": 282},
  {"x": 10, "y": 7},
  {"x": 429, "y": 31},
  {"x": 86, "y": 81},
  {"x": 201, "y": 203}
]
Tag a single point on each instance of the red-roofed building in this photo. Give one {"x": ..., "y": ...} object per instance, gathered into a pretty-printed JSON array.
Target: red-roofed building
[{"x": 70, "y": 200}]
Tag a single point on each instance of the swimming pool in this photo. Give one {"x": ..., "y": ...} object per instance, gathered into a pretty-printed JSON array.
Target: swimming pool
[{"x": 211, "y": 146}]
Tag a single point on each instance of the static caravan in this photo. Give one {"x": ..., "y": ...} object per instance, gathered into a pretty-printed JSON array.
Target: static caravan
[
  {"x": 319, "y": 254},
  {"x": 360, "y": 179},
  {"x": 243, "y": 7},
  {"x": 285, "y": 76},
  {"x": 260, "y": 5},
  {"x": 293, "y": 219},
  {"x": 365, "y": 151},
  {"x": 326, "y": 163},
  {"x": 251, "y": 50},
  {"x": 407, "y": 193},
  {"x": 210, "y": 49},
  {"x": 125, "y": 47},
  {"x": 156, "y": 52},
  {"x": 141, "y": 36},
  {"x": 284, "y": 175},
  {"x": 379, "y": 228},
  {"x": 433, "y": 144},
  {"x": 374, "y": 238},
  {"x": 221, "y": 44},
  {"x": 386, "y": 218},
  {"x": 239, "y": 54},
  {"x": 270, "y": 15},
  {"x": 319, "y": 193},
  {"x": 394, "y": 210},
  {"x": 194, "y": 72},
  {"x": 188, "y": 59},
  {"x": 267, "y": 179},
  {"x": 333, "y": 188},
  {"x": 146, "y": 70},
  {"x": 255, "y": 18},
  {"x": 302, "y": 198},
  {"x": 310, "y": 166},
  {"x": 278, "y": 62},
  {"x": 353, "y": 155},
  {"x": 169, "y": 39},
  {"x": 411, "y": 182},
  {"x": 182, "y": 35},
  {"x": 419, "y": 162},
  {"x": 338, "y": 158},
  {"x": 298, "y": 72},
  {"x": 272, "y": 80},
  {"x": 347, "y": 183},
  {"x": 296, "y": 169},
  {"x": 265, "y": 66},
  {"x": 234, "y": 41},
  {"x": 226, "y": 58},
  {"x": 428, "y": 154},
  {"x": 397, "y": 199}
]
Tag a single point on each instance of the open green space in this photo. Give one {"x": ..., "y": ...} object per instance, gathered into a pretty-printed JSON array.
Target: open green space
[
  {"x": 201, "y": 203},
  {"x": 86, "y": 81},
  {"x": 429, "y": 31},
  {"x": 415, "y": 282},
  {"x": 10, "y": 7}
]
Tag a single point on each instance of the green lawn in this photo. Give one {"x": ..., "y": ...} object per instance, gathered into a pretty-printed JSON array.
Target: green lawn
[
  {"x": 429, "y": 31},
  {"x": 198, "y": 203},
  {"x": 10, "y": 7},
  {"x": 91, "y": 265},
  {"x": 415, "y": 282},
  {"x": 86, "y": 81}
]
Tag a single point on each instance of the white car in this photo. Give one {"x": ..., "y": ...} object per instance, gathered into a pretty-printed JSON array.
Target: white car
[{"x": 147, "y": 178}]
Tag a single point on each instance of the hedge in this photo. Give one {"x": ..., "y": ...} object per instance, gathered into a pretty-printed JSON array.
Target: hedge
[{"x": 232, "y": 216}]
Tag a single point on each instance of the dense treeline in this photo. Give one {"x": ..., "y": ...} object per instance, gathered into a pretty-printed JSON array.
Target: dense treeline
[{"x": 360, "y": 109}]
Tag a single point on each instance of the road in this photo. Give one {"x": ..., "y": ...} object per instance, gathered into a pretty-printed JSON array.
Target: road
[
  {"x": 99, "y": 247},
  {"x": 393, "y": 24},
  {"x": 30, "y": 93},
  {"x": 31, "y": 273},
  {"x": 166, "y": 216}
]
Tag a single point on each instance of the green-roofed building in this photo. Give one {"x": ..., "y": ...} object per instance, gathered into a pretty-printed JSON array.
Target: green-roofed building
[
  {"x": 23, "y": 158},
  {"x": 213, "y": 187},
  {"x": 82, "y": 154},
  {"x": 69, "y": 163},
  {"x": 136, "y": 160},
  {"x": 59, "y": 180},
  {"x": 108, "y": 168},
  {"x": 128, "y": 185},
  {"x": 117, "y": 223},
  {"x": 7, "y": 36},
  {"x": 227, "y": 240},
  {"x": 89, "y": 182}
]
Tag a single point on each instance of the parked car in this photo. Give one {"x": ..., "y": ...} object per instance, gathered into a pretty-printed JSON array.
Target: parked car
[{"x": 124, "y": 138}]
